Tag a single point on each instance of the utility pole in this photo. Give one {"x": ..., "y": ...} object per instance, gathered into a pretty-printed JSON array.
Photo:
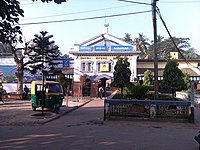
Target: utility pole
[{"x": 155, "y": 49}]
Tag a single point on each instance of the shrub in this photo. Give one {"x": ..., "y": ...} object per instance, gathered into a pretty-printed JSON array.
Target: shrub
[{"x": 138, "y": 91}]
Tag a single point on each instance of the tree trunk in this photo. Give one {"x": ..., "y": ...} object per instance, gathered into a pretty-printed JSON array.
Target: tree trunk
[
  {"x": 173, "y": 94},
  {"x": 122, "y": 91},
  {"x": 20, "y": 75},
  {"x": 20, "y": 69},
  {"x": 20, "y": 84}
]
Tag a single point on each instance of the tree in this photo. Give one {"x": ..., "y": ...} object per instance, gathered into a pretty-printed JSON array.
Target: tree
[
  {"x": 142, "y": 44},
  {"x": 65, "y": 56},
  {"x": 187, "y": 80},
  {"x": 150, "y": 51},
  {"x": 165, "y": 46},
  {"x": 172, "y": 77},
  {"x": 10, "y": 12},
  {"x": 121, "y": 74},
  {"x": 10, "y": 33},
  {"x": 127, "y": 38},
  {"x": 148, "y": 78},
  {"x": 190, "y": 54},
  {"x": 42, "y": 54},
  {"x": 62, "y": 80},
  {"x": 56, "y": 1}
]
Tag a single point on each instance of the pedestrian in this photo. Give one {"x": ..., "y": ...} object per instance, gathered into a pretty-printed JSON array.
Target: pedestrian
[
  {"x": 101, "y": 91},
  {"x": 26, "y": 92},
  {"x": 1, "y": 92}
]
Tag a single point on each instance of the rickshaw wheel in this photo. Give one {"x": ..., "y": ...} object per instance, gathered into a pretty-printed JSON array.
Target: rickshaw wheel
[{"x": 34, "y": 108}]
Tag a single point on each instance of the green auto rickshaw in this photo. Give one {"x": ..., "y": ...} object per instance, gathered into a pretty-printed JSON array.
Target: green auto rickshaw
[{"x": 53, "y": 95}]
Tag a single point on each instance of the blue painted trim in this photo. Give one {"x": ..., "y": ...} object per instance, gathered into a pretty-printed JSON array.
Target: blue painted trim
[{"x": 147, "y": 102}]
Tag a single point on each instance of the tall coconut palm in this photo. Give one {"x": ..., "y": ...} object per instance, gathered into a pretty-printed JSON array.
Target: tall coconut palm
[
  {"x": 128, "y": 38},
  {"x": 142, "y": 44}
]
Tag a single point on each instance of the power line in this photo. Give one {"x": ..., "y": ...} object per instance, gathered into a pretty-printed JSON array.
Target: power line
[
  {"x": 82, "y": 19},
  {"x": 182, "y": 2},
  {"x": 80, "y": 12},
  {"x": 159, "y": 14},
  {"x": 135, "y": 2}
]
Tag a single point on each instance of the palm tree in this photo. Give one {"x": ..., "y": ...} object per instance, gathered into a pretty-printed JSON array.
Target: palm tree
[
  {"x": 142, "y": 44},
  {"x": 127, "y": 38}
]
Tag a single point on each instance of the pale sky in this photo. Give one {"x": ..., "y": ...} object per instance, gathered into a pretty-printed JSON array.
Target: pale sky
[{"x": 182, "y": 18}]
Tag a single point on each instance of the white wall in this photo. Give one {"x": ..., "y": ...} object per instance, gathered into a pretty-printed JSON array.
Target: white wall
[{"x": 12, "y": 87}]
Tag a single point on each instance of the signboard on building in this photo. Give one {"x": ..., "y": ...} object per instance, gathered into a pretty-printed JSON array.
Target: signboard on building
[
  {"x": 101, "y": 48},
  {"x": 65, "y": 63},
  {"x": 121, "y": 48},
  {"x": 106, "y": 48},
  {"x": 101, "y": 57},
  {"x": 85, "y": 48}
]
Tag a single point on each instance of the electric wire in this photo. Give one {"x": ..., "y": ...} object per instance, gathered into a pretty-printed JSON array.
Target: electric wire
[
  {"x": 135, "y": 2},
  {"x": 79, "y": 12},
  {"x": 180, "y": 2},
  {"x": 83, "y": 19},
  {"x": 160, "y": 16}
]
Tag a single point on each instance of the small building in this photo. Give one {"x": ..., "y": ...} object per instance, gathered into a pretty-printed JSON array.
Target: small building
[
  {"x": 191, "y": 66},
  {"x": 96, "y": 58}
]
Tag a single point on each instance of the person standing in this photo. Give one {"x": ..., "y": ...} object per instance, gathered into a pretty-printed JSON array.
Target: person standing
[
  {"x": 26, "y": 91},
  {"x": 101, "y": 91},
  {"x": 1, "y": 92}
]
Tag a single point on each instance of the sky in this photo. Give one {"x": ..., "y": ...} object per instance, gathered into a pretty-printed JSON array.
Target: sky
[{"x": 182, "y": 18}]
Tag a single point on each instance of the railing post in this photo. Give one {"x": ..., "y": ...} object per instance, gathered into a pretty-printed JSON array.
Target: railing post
[{"x": 192, "y": 102}]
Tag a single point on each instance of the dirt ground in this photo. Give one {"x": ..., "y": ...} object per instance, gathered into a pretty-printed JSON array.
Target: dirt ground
[{"x": 20, "y": 113}]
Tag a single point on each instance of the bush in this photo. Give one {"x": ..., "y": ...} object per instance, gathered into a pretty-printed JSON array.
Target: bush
[{"x": 138, "y": 91}]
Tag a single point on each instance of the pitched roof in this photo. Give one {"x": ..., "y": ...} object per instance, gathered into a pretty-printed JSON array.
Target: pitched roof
[
  {"x": 190, "y": 72},
  {"x": 103, "y": 39}
]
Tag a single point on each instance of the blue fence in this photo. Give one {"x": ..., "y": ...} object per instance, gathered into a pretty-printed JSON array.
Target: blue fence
[{"x": 154, "y": 109}]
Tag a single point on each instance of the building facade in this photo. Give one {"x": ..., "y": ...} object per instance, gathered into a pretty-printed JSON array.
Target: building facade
[{"x": 97, "y": 57}]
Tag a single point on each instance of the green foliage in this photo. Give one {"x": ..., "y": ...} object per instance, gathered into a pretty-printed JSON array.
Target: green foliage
[
  {"x": 142, "y": 44},
  {"x": 9, "y": 78},
  {"x": 187, "y": 80},
  {"x": 121, "y": 74},
  {"x": 61, "y": 79},
  {"x": 42, "y": 53},
  {"x": 138, "y": 91},
  {"x": 127, "y": 38},
  {"x": 172, "y": 77},
  {"x": 148, "y": 78},
  {"x": 150, "y": 96},
  {"x": 10, "y": 12},
  {"x": 56, "y": 1},
  {"x": 165, "y": 46}
]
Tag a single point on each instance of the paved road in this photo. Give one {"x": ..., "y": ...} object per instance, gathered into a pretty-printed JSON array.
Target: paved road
[{"x": 84, "y": 129}]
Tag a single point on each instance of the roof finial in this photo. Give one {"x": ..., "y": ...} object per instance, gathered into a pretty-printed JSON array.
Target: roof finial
[{"x": 106, "y": 26}]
